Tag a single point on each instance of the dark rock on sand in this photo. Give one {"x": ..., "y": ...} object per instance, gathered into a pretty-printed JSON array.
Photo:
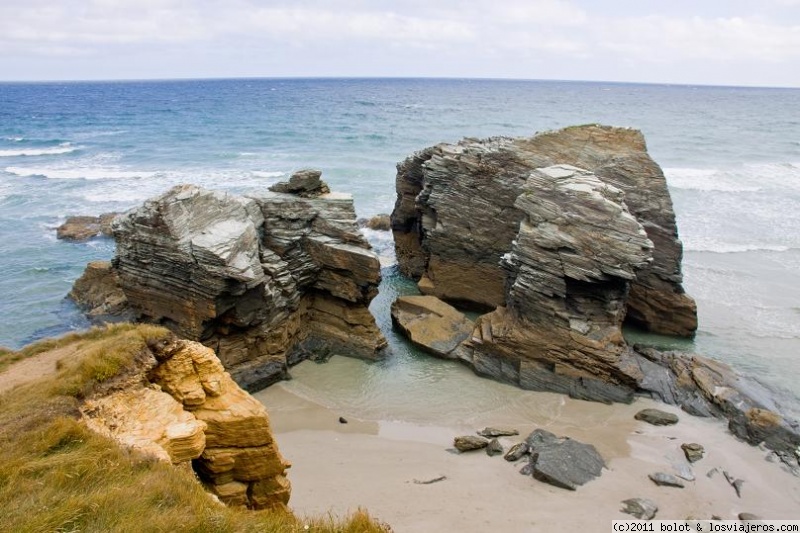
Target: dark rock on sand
[
  {"x": 498, "y": 432},
  {"x": 468, "y": 443},
  {"x": 494, "y": 448},
  {"x": 693, "y": 451},
  {"x": 561, "y": 461},
  {"x": 666, "y": 480},
  {"x": 641, "y": 508},
  {"x": 516, "y": 452},
  {"x": 656, "y": 417}
]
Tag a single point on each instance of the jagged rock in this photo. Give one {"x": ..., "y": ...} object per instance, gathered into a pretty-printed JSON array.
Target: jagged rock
[
  {"x": 693, "y": 451},
  {"x": 656, "y": 417},
  {"x": 666, "y": 480},
  {"x": 305, "y": 183},
  {"x": 498, "y": 432},
  {"x": 561, "y": 461},
  {"x": 183, "y": 407},
  {"x": 516, "y": 452},
  {"x": 97, "y": 292},
  {"x": 380, "y": 222},
  {"x": 704, "y": 387},
  {"x": 443, "y": 189},
  {"x": 641, "y": 508},
  {"x": 431, "y": 324},
  {"x": 494, "y": 448},
  {"x": 568, "y": 270},
  {"x": 265, "y": 281},
  {"x": 468, "y": 443},
  {"x": 82, "y": 228}
]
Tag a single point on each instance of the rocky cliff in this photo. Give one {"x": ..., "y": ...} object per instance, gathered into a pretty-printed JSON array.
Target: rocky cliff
[
  {"x": 456, "y": 215},
  {"x": 179, "y": 405},
  {"x": 263, "y": 280}
]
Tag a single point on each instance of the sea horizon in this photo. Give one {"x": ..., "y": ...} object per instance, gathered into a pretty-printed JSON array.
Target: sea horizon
[{"x": 393, "y": 78}]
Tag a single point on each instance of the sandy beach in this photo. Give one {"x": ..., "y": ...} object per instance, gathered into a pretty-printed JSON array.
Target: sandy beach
[{"x": 377, "y": 465}]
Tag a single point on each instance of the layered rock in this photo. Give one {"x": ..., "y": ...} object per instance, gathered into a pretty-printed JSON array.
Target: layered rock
[
  {"x": 568, "y": 271},
  {"x": 264, "y": 280},
  {"x": 181, "y": 406},
  {"x": 82, "y": 228},
  {"x": 432, "y": 324},
  {"x": 456, "y": 216}
]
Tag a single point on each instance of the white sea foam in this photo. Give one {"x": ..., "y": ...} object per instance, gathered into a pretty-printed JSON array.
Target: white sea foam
[
  {"x": 63, "y": 148},
  {"x": 725, "y": 248},
  {"x": 701, "y": 179},
  {"x": 267, "y": 174},
  {"x": 14, "y": 139},
  {"x": 88, "y": 173}
]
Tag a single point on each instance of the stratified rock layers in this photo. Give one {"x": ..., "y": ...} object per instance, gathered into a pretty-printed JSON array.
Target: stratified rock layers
[
  {"x": 568, "y": 271},
  {"x": 183, "y": 407},
  {"x": 263, "y": 280},
  {"x": 456, "y": 216}
]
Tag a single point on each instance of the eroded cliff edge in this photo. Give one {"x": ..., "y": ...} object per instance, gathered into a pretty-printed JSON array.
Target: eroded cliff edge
[
  {"x": 264, "y": 280},
  {"x": 177, "y": 404}
]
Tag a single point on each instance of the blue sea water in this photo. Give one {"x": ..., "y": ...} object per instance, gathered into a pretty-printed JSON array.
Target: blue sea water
[{"x": 731, "y": 156}]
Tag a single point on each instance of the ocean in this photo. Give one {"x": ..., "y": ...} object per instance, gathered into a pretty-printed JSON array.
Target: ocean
[{"x": 731, "y": 156}]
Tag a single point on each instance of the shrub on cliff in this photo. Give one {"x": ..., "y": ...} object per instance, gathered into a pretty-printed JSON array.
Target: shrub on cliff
[{"x": 57, "y": 475}]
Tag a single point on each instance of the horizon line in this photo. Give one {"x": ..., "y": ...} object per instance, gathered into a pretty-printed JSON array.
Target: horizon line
[{"x": 431, "y": 78}]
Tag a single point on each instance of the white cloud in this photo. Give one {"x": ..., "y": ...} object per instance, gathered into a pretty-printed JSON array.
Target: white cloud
[{"x": 660, "y": 39}]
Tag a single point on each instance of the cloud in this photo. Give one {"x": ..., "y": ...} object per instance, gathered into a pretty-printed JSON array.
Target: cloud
[
  {"x": 510, "y": 38},
  {"x": 660, "y": 39}
]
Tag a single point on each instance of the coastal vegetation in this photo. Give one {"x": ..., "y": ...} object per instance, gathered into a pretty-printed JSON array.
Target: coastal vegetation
[{"x": 57, "y": 475}]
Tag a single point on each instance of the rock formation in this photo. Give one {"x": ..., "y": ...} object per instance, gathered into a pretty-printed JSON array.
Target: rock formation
[
  {"x": 81, "y": 228},
  {"x": 263, "y": 280},
  {"x": 457, "y": 214},
  {"x": 181, "y": 406},
  {"x": 561, "y": 238}
]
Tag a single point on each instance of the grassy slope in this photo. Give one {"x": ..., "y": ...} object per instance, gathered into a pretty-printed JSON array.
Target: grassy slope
[{"x": 56, "y": 475}]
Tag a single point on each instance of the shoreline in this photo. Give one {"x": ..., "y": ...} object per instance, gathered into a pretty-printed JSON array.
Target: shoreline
[{"x": 373, "y": 464}]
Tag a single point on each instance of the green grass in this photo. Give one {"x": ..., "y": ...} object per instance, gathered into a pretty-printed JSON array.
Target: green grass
[{"x": 57, "y": 475}]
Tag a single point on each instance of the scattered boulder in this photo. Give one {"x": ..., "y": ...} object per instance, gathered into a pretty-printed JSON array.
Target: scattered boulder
[
  {"x": 734, "y": 482},
  {"x": 641, "y": 508},
  {"x": 305, "y": 183},
  {"x": 82, "y": 228},
  {"x": 468, "y": 443},
  {"x": 431, "y": 324},
  {"x": 666, "y": 480},
  {"x": 693, "y": 451},
  {"x": 494, "y": 448},
  {"x": 745, "y": 517},
  {"x": 498, "y": 432},
  {"x": 342, "y": 420},
  {"x": 561, "y": 461},
  {"x": 656, "y": 417},
  {"x": 516, "y": 452}
]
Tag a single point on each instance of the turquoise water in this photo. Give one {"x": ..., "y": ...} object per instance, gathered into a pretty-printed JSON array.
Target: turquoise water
[{"x": 731, "y": 156}]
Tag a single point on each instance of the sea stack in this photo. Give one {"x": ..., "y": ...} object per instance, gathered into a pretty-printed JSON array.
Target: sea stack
[{"x": 264, "y": 280}]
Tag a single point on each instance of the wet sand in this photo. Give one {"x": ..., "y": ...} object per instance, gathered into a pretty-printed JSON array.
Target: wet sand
[{"x": 374, "y": 464}]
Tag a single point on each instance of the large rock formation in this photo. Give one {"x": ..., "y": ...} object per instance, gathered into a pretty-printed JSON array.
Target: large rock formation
[
  {"x": 264, "y": 280},
  {"x": 181, "y": 406},
  {"x": 562, "y": 256},
  {"x": 456, "y": 216}
]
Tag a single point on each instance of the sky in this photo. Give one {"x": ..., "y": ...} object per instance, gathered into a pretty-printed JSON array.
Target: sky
[{"x": 716, "y": 42}]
